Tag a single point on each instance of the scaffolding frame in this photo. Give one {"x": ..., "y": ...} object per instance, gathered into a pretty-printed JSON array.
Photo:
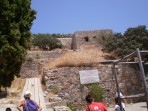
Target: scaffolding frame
[{"x": 142, "y": 73}]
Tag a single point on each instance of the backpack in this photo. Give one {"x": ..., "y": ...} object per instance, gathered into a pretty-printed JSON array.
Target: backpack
[{"x": 31, "y": 106}]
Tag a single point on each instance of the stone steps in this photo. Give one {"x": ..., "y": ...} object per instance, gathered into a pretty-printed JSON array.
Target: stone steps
[
  {"x": 56, "y": 103},
  {"x": 53, "y": 104}
]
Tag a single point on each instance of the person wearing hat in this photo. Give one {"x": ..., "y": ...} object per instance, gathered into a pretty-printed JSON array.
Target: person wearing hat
[
  {"x": 27, "y": 96},
  {"x": 117, "y": 106},
  {"x": 8, "y": 109}
]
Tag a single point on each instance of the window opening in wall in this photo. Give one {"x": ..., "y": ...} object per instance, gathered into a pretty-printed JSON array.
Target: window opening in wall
[{"x": 86, "y": 39}]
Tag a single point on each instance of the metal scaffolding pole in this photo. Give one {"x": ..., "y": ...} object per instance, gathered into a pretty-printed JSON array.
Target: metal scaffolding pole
[
  {"x": 142, "y": 74},
  {"x": 117, "y": 86}
]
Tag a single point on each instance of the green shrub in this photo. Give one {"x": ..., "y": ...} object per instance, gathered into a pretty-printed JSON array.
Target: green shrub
[
  {"x": 55, "y": 90},
  {"x": 70, "y": 105},
  {"x": 46, "y": 41},
  {"x": 97, "y": 92},
  {"x": 30, "y": 59},
  {"x": 37, "y": 56}
]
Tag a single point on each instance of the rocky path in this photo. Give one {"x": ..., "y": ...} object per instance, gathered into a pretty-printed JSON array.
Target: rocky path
[{"x": 141, "y": 106}]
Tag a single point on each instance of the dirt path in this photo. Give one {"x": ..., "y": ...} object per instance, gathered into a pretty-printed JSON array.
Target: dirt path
[{"x": 134, "y": 107}]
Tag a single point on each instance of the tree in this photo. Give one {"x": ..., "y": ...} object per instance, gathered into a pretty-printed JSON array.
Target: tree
[
  {"x": 16, "y": 17},
  {"x": 133, "y": 38},
  {"x": 45, "y": 41}
]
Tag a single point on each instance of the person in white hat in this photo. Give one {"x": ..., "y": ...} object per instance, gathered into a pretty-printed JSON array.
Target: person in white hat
[
  {"x": 121, "y": 95},
  {"x": 23, "y": 103},
  {"x": 117, "y": 106}
]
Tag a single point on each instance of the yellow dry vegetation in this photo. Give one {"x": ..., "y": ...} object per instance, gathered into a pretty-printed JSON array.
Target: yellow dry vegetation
[
  {"x": 86, "y": 56},
  {"x": 17, "y": 85}
]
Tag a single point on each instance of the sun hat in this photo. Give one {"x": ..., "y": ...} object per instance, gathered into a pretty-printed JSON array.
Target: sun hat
[
  {"x": 121, "y": 95},
  {"x": 27, "y": 94}
]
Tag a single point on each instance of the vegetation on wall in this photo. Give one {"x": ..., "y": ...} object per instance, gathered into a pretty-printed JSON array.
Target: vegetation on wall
[
  {"x": 60, "y": 35},
  {"x": 71, "y": 106},
  {"x": 16, "y": 17},
  {"x": 97, "y": 92},
  {"x": 102, "y": 37},
  {"x": 123, "y": 44}
]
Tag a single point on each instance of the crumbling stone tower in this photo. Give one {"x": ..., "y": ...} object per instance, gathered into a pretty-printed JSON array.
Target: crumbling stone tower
[{"x": 89, "y": 37}]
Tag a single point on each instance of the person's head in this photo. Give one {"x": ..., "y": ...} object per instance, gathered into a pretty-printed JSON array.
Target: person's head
[
  {"x": 8, "y": 109},
  {"x": 121, "y": 95},
  {"x": 117, "y": 100},
  {"x": 89, "y": 99},
  {"x": 27, "y": 95}
]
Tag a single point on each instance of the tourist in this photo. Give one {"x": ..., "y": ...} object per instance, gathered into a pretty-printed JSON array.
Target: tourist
[
  {"x": 94, "y": 106},
  {"x": 117, "y": 106},
  {"x": 27, "y": 102},
  {"x": 8, "y": 109}
]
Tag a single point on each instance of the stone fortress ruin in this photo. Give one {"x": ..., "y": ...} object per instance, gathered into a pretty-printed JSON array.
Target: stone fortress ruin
[
  {"x": 93, "y": 37},
  {"x": 80, "y": 38}
]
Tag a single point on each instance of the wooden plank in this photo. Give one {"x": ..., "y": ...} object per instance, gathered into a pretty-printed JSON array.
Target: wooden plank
[
  {"x": 25, "y": 89},
  {"x": 32, "y": 88},
  {"x": 133, "y": 96},
  {"x": 42, "y": 101},
  {"x": 29, "y": 84},
  {"x": 36, "y": 91},
  {"x": 144, "y": 51}
]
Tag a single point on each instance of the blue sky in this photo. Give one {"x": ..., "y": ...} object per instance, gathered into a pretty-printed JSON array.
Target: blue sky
[{"x": 68, "y": 16}]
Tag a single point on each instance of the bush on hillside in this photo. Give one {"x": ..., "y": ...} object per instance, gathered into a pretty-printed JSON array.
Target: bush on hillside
[
  {"x": 123, "y": 44},
  {"x": 71, "y": 106},
  {"x": 97, "y": 92},
  {"x": 46, "y": 42}
]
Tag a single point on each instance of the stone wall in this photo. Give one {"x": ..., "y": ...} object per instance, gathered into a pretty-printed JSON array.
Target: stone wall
[
  {"x": 90, "y": 37},
  {"x": 35, "y": 60},
  {"x": 68, "y": 82},
  {"x": 30, "y": 69},
  {"x": 130, "y": 81},
  {"x": 80, "y": 38},
  {"x": 66, "y": 42}
]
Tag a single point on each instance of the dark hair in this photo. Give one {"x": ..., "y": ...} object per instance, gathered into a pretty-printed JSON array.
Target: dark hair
[
  {"x": 117, "y": 100},
  {"x": 89, "y": 98},
  {"x": 8, "y": 109},
  {"x": 26, "y": 97}
]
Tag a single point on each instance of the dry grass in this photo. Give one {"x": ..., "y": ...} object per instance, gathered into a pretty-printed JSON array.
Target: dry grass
[
  {"x": 84, "y": 57},
  {"x": 18, "y": 85}
]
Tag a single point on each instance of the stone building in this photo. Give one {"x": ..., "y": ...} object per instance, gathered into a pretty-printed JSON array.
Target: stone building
[
  {"x": 66, "y": 42},
  {"x": 80, "y": 38},
  {"x": 90, "y": 37}
]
